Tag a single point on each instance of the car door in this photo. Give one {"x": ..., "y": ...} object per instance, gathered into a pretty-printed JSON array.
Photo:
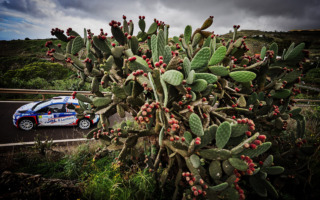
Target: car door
[{"x": 61, "y": 116}]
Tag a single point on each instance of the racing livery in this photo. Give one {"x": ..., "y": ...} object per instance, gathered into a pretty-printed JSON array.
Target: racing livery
[{"x": 52, "y": 112}]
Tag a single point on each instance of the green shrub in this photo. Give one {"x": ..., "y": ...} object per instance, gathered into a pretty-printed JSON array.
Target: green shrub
[
  {"x": 312, "y": 76},
  {"x": 46, "y": 70}
]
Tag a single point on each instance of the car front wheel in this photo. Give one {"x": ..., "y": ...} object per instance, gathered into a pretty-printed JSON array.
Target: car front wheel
[
  {"x": 26, "y": 124},
  {"x": 84, "y": 124}
]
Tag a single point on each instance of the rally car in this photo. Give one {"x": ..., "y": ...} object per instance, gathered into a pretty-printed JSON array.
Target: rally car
[{"x": 52, "y": 112}]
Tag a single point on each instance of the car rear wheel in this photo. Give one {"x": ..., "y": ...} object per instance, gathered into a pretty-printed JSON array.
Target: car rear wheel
[
  {"x": 26, "y": 124},
  {"x": 84, "y": 123}
]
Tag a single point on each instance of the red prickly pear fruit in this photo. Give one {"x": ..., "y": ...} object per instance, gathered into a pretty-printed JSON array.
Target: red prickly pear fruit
[
  {"x": 164, "y": 65},
  {"x": 249, "y": 172},
  {"x": 204, "y": 193},
  {"x": 113, "y": 44},
  {"x": 248, "y": 133},
  {"x": 195, "y": 193},
  {"x": 197, "y": 142},
  {"x": 171, "y": 139},
  {"x": 183, "y": 174},
  {"x": 211, "y": 17},
  {"x": 160, "y": 57},
  {"x": 180, "y": 103},
  {"x": 177, "y": 138},
  {"x": 183, "y": 139},
  {"x": 200, "y": 191},
  {"x": 246, "y": 145},
  {"x": 144, "y": 57},
  {"x": 260, "y": 162},
  {"x": 239, "y": 121},
  {"x": 251, "y": 165},
  {"x": 250, "y": 109},
  {"x": 257, "y": 142},
  {"x": 132, "y": 59},
  {"x": 201, "y": 181},
  {"x": 187, "y": 173},
  {"x": 262, "y": 137},
  {"x": 237, "y": 89},
  {"x": 233, "y": 117},
  {"x": 204, "y": 99},
  {"x": 252, "y": 128},
  {"x": 191, "y": 182},
  {"x": 194, "y": 188},
  {"x": 124, "y": 17},
  {"x": 253, "y": 146}
]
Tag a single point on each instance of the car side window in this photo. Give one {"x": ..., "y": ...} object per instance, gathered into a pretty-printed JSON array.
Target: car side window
[{"x": 57, "y": 108}]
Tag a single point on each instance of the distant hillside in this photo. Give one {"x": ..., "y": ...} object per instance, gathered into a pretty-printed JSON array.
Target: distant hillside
[{"x": 257, "y": 39}]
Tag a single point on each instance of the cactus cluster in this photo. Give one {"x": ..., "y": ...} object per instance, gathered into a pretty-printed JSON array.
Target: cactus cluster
[{"x": 198, "y": 99}]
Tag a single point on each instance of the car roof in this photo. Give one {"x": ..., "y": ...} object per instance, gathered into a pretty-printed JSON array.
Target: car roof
[{"x": 63, "y": 99}]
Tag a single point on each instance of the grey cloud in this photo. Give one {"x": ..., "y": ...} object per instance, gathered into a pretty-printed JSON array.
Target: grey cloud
[{"x": 24, "y": 6}]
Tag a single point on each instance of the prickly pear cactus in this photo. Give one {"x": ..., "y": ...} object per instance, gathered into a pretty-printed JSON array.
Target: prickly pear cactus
[{"x": 205, "y": 105}]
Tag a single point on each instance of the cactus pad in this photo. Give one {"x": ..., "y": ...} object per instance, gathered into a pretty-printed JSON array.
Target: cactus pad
[
  {"x": 295, "y": 52},
  {"x": 238, "y": 129},
  {"x": 173, "y": 77},
  {"x": 215, "y": 154},
  {"x": 258, "y": 151},
  {"x": 195, "y": 160},
  {"x": 153, "y": 28},
  {"x": 219, "y": 70},
  {"x": 77, "y": 45},
  {"x": 215, "y": 170},
  {"x": 187, "y": 33},
  {"x": 242, "y": 76},
  {"x": 223, "y": 134},
  {"x": 199, "y": 85},
  {"x": 139, "y": 63},
  {"x": 238, "y": 164},
  {"x": 218, "y": 188},
  {"x": 210, "y": 78},
  {"x": 218, "y": 55},
  {"x": 101, "y": 45},
  {"x": 282, "y": 94},
  {"x": 274, "y": 170},
  {"x": 191, "y": 76},
  {"x": 83, "y": 98},
  {"x": 196, "y": 124},
  {"x": 201, "y": 58},
  {"x": 101, "y": 101}
]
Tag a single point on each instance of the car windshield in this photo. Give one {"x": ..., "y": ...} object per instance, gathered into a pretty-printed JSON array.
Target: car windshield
[{"x": 41, "y": 104}]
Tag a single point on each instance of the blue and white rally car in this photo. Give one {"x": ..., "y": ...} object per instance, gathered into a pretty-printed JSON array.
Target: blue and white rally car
[{"x": 52, "y": 112}]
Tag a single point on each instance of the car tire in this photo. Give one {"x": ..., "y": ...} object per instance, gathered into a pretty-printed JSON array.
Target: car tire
[
  {"x": 84, "y": 124},
  {"x": 26, "y": 124}
]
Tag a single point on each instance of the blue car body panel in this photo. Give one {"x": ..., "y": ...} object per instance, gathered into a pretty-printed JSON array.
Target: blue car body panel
[{"x": 66, "y": 117}]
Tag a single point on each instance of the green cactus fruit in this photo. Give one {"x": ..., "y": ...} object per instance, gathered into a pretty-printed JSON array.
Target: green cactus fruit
[
  {"x": 238, "y": 129},
  {"x": 118, "y": 34},
  {"x": 200, "y": 60},
  {"x": 119, "y": 92},
  {"x": 291, "y": 76},
  {"x": 219, "y": 70},
  {"x": 199, "y": 85},
  {"x": 218, "y": 55},
  {"x": 263, "y": 53},
  {"x": 161, "y": 43},
  {"x": 258, "y": 186},
  {"x": 215, "y": 170},
  {"x": 215, "y": 154},
  {"x": 117, "y": 51},
  {"x": 227, "y": 167},
  {"x": 210, "y": 78},
  {"x": 295, "y": 112},
  {"x": 223, "y": 134},
  {"x": 242, "y": 76},
  {"x": 120, "y": 111},
  {"x": 173, "y": 77},
  {"x": 101, "y": 45},
  {"x": 282, "y": 94},
  {"x": 258, "y": 151},
  {"x": 139, "y": 63},
  {"x": 153, "y": 28},
  {"x": 196, "y": 124},
  {"x": 196, "y": 39},
  {"x": 187, "y": 135},
  {"x": 238, "y": 164},
  {"x": 187, "y": 34},
  {"x": 59, "y": 56},
  {"x": 274, "y": 170},
  {"x": 195, "y": 160},
  {"x": 167, "y": 54},
  {"x": 77, "y": 45},
  {"x": 83, "y": 98},
  {"x": 101, "y": 101},
  {"x": 191, "y": 76},
  {"x": 294, "y": 52}
]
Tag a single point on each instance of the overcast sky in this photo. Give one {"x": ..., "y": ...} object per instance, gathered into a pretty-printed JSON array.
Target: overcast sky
[{"x": 35, "y": 18}]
